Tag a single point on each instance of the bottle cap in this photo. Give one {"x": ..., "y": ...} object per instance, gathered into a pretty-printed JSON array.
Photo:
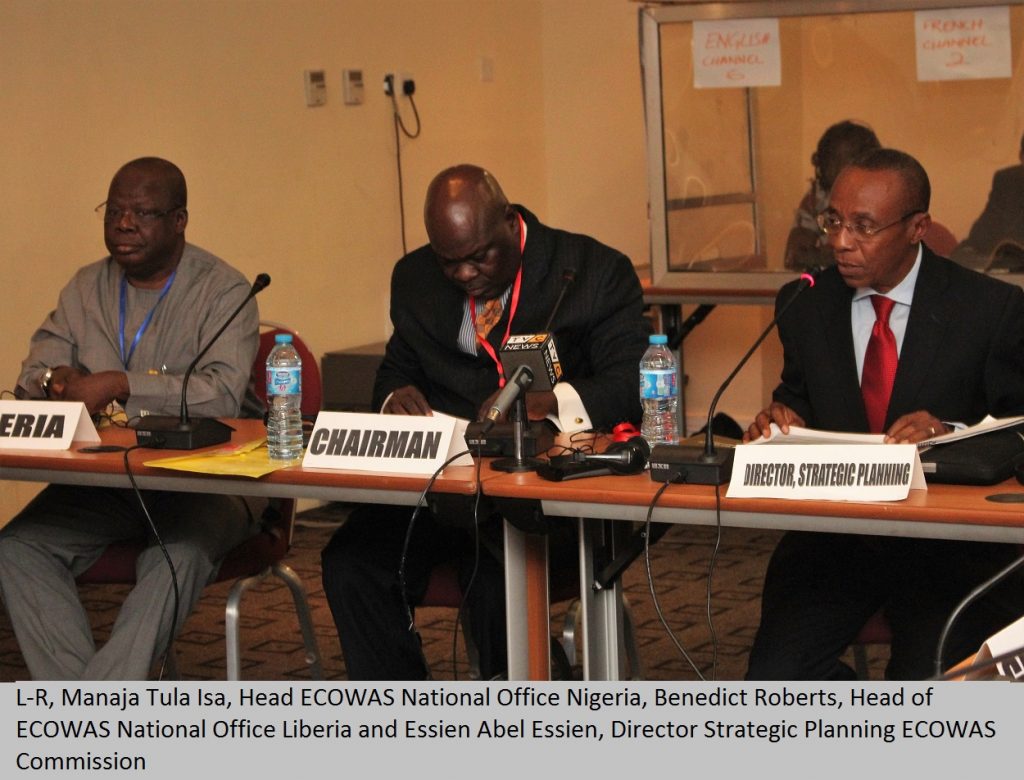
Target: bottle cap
[
  {"x": 283, "y": 338},
  {"x": 658, "y": 338}
]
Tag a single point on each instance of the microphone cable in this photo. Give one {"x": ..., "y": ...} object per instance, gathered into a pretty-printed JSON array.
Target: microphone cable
[
  {"x": 476, "y": 563},
  {"x": 420, "y": 503},
  {"x": 711, "y": 573},
  {"x": 650, "y": 583},
  {"x": 167, "y": 557},
  {"x": 969, "y": 600}
]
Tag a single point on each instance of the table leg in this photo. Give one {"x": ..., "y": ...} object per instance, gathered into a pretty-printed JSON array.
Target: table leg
[
  {"x": 527, "y": 608},
  {"x": 601, "y": 610}
]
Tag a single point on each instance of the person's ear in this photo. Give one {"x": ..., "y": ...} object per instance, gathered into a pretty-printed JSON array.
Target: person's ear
[
  {"x": 920, "y": 224},
  {"x": 180, "y": 220}
]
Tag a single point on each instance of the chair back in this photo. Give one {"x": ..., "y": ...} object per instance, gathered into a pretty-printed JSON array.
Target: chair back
[
  {"x": 940, "y": 239},
  {"x": 312, "y": 391}
]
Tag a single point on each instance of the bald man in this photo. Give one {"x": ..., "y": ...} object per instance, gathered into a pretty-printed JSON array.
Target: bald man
[
  {"x": 123, "y": 334},
  {"x": 491, "y": 269}
]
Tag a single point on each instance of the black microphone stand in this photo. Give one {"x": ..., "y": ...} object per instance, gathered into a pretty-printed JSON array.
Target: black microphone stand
[{"x": 517, "y": 414}]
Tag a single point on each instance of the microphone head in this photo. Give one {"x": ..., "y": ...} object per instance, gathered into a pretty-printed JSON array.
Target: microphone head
[
  {"x": 625, "y": 457},
  {"x": 262, "y": 280}
]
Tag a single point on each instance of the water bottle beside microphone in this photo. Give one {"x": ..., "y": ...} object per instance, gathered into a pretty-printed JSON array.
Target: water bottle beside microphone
[
  {"x": 659, "y": 393},
  {"x": 284, "y": 400}
]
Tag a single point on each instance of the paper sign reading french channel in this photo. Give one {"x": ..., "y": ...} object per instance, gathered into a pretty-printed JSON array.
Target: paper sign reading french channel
[
  {"x": 44, "y": 425},
  {"x": 737, "y": 53},
  {"x": 404, "y": 444},
  {"x": 832, "y": 472},
  {"x": 963, "y": 43}
]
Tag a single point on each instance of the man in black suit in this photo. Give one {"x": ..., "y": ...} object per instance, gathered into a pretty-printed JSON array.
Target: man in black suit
[
  {"x": 491, "y": 269},
  {"x": 997, "y": 235},
  {"x": 958, "y": 342}
]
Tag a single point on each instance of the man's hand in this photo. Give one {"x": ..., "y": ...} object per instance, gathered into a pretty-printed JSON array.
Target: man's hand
[
  {"x": 914, "y": 427},
  {"x": 407, "y": 400},
  {"x": 94, "y": 390},
  {"x": 539, "y": 404},
  {"x": 777, "y": 413}
]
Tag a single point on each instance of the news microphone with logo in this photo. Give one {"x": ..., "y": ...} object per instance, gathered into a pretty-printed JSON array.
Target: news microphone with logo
[
  {"x": 705, "y": 465},
  {"x": 536, "y": 353},
  {"x": 181, "y": 432},
  {"x": 519, "y": 382}
]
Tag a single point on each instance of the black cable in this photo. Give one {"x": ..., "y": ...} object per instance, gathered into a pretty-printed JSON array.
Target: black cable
[
  {"x": 974, "y": 595},
  {"x": 400, "y": 126},
  {"x": 476, "y": 563},
  {"x": 650, "y": 582},
  {"x": 420, "y": 503},
  {"x": 167, "y": 557},
  {"x": 711, "y": 572}
]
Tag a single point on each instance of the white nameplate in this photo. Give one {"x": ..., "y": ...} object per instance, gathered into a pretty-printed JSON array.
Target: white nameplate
[
  {"x": 379, "y": 442},
  {"x": 831, "y": 472},
  {"x": 44, "y": 425},
  {"x": 1008, "y": 640}
]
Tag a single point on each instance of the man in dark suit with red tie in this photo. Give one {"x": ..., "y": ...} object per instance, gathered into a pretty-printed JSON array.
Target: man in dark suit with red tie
[{"x": 893, "y": 339}]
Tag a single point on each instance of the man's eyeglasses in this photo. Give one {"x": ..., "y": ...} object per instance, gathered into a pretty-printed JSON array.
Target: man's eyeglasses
[
  {"x": 110, "y": 214},
  {"x": 832, "y": 225}
]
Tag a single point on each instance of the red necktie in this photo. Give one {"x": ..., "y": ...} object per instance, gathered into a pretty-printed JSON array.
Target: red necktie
[{"x": 879, "y": 365}]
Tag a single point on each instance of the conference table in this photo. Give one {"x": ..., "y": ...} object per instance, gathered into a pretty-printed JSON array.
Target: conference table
[{"x": 600, "y": 505}]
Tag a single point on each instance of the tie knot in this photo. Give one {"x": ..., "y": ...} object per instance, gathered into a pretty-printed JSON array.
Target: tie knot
[{"x": 883, "y": 307}]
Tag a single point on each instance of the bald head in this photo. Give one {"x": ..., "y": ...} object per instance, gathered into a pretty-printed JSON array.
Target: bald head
[
  {"x": 473, "y": 230},
  {"x": 463, "y": 198}
]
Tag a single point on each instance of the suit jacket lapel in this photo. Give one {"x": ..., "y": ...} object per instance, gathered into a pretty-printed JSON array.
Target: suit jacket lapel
[{"x": 922, "y": 343}]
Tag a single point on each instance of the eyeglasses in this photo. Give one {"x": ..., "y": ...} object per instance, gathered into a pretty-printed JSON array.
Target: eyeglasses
[
  {"x": 110, "y": 214},
  {"x": 832, "y": 225}
]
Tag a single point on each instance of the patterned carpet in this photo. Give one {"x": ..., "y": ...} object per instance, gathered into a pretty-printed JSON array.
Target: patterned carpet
[{"x": 272, "y": 646}]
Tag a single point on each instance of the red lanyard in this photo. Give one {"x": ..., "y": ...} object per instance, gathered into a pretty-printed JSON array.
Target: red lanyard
[{"x": 513, "y": 305}]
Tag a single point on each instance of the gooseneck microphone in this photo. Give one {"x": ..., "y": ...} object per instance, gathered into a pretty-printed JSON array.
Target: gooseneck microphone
[
  {"x": 183, "y": 433},
  {"x": 707, "y": 466},
  {"x": 568, "y": 277}
]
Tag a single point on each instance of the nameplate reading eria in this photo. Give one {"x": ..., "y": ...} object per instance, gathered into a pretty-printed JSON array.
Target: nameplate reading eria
[
  {"x": 379, "y": 442},
  {"x": 836, "y": 472},
  {"x": 44, "y": 425}
]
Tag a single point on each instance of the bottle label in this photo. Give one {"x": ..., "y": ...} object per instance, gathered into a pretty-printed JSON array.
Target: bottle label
[
  {"x": 284, "y": 381},
  {"x": 658, "y": 383}
]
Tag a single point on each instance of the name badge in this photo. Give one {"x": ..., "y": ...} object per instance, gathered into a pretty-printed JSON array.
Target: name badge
[
  {"x": 831, "y": 472},
  {"x": 44, "y": 425},
  {"x": 379, "y": 442}
]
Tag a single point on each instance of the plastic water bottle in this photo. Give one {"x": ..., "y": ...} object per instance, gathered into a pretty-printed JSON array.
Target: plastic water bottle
[
  {"x": 284, "y": 400},
  {"x": 659, "y": 393}
]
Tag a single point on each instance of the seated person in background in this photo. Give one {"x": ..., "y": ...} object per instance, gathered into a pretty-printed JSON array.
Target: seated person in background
[
  {"x": 951, "y": 351},
  {"x": 806, "y": 246},
  {"x": 125, "y": 330},
  {"x": 997, "y": 236},
  {"x": 490, "y": 269}
]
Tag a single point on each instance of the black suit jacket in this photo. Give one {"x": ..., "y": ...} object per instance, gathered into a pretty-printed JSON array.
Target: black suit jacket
[
  {"x": 962, "y": 355},
  {"x": 600, "y": 332}
]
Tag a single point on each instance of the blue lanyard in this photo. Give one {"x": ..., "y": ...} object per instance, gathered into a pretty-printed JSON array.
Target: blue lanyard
[{"x": 145, "y": 322}]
